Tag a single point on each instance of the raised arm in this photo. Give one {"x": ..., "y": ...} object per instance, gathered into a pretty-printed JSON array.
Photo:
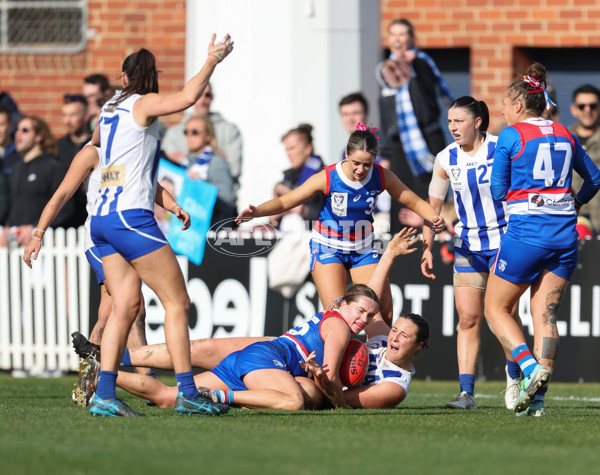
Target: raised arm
[
  {"x": 404, "y": 195},
  {"x": 315, "y": 184},
  {"x": 82, "y": 165},
  {"x": 155, "y": 105}
]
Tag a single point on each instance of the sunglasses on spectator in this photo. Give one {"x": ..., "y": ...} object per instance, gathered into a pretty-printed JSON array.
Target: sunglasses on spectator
[
  {"x": 593, "y": 106},
  {"x": 208, "y": 95},
  {"x": 68, "y": 98},
  {"x": 24, "y": 130},
  {"x": 191, "y": 132}
]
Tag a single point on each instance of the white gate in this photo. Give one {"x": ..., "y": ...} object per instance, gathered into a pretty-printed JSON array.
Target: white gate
[{"x": 41, "y": 307}]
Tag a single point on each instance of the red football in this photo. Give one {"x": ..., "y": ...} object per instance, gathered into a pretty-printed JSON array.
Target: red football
[{"x": 354, "y": 364}]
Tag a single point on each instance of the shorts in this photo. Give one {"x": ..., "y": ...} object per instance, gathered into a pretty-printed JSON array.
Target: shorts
[
  {"x": 522, "y": 263},
  {"x": 471, "y": 268},
  {"x": 349, "y": 259},
  {"x": 132, "y": 233},
  {"x": 93, "y": 257},
  {"x": 275, "y": 354}
]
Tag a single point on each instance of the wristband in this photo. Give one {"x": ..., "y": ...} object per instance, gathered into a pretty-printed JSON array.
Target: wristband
[
  {"x": 38, "y": 233},
  {"x": 175, "y": 205}
]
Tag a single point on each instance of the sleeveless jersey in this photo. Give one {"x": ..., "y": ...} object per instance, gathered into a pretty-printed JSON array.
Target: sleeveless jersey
[
  {"x": 482, "y": 221},
  {"x": 533, "y": 167},
  {"x": 307, "y": 336},
  {"x": 346, "y": 218},
  {"x": 129, "y": 159},
  {"x": 92, "y": 185},
  {"x": 380, "y": 370}
]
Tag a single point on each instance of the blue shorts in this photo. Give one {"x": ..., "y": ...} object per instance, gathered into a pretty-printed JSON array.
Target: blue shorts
[
  {"x": 93, "y": 257},
  {"x": 522, "y": 263},
  {"x": 349, "y": 259},
  {"x": 132, "y": 233},
  {"x": 276, "y": 354},
  {"x": 473, "y": 261}
]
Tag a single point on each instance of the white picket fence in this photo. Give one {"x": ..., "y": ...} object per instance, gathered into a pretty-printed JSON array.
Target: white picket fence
[{"x": 41, "y": 307}]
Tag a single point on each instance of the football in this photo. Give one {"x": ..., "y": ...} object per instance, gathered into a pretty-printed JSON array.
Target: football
[{"x": 354, "y": 364}]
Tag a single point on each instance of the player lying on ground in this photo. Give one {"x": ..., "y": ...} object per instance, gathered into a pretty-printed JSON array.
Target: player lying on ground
[{"x": 392, "y": 351}]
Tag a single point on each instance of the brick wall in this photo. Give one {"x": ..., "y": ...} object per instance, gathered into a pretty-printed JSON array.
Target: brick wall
[
  {"x": 492, "y": 29},
  {"x": 38, "y": 82}
]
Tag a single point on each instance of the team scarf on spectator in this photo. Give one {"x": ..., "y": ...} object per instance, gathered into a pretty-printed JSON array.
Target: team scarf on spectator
[
  {"x": 418, "y": 156},
  {"x": 200, "y": 166}
]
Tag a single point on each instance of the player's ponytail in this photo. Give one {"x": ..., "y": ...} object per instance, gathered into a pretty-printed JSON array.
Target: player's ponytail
[
  {"x": 476, "y": 109},
  {"x": 142, "y": 75}
]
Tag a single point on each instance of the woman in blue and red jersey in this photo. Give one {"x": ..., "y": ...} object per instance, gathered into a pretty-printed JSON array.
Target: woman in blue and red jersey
[
  {"x": 342, "y": 236},
  {"x": 533, "y": 166}
]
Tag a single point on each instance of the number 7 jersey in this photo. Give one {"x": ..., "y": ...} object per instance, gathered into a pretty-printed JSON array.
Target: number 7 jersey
[{"x": 128, "y": 160}]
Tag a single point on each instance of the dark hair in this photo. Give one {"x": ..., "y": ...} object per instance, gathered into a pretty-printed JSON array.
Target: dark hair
[
  {"x": 304, "y": 130},
  {"x": 586, "y": 89},
  {"x": 5, "y": 110},
  {"x": 405, "y": 22},
  {"x": 532, "y": 97},
  {"x": 355, "y": 97},
  {"x": 364, "y": 140},
  {"x": 423, "y": 329},
  {"x": 99, "y": 80},
  {"x": 356, "y": 291},
  {"x": 142, "y": 76},
  {"x": 40, "y": 127},
  {"x": 71, "y": 98},
  {"x": 476, "y": 109}
]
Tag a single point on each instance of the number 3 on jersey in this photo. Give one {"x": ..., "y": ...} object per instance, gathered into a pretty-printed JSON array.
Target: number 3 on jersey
[{"x": 543, "y": 168}]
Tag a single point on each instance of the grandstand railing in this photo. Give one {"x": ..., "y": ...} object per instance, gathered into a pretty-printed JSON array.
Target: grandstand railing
[{"x": 39, "y": 307}]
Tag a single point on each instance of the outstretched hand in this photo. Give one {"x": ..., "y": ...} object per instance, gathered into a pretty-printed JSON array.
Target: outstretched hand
[
  {"x": 312, "y": 367},
  {"x": 246, "y": 215},
  {"x": 403, "y": 242},
  {"x": 220, "y": 50}
]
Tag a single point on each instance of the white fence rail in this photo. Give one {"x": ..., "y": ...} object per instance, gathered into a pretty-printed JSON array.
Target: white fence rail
[{"x": 40, "y": 307}]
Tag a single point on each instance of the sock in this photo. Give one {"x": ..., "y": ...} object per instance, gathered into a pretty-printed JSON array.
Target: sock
[
  {"x": 126, "y": 360},
  {"x": 107, "y": 381},
  {"x": 524, "y": 358},
  {"x": 185, "y": 383},
  {"x": 513, "y": 369},
  {"x": 225, "y": 397},
  {"x": 540, "y": 395},
  {"x": 467, "y": 383}
]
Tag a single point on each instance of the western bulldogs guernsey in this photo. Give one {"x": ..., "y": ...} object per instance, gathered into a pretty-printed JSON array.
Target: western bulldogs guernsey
[
  {"x": 129, "y": 159},
  {"x": 533, "y": 167},
  {"x": 482, "y": 221},
  {"x": 307, "y": 338},
  {"x": 346, "y": 218},
  {"x": 380, "y": 370}
]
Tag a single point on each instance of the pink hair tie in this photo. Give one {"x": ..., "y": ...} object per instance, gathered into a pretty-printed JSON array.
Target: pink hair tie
[{"x": 361, "y": 126}]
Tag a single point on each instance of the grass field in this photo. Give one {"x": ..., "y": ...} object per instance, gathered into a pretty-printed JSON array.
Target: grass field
[{"x": 42, "y": 432}]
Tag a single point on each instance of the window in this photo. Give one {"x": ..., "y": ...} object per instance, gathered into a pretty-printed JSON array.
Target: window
[{"x": 43, "y": 26}]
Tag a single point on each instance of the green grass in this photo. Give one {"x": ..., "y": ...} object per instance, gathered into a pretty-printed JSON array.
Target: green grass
[{"x": 42, "y": 432}]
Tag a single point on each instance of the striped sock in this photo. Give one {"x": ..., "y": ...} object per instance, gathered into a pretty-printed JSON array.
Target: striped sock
[
  {"x": 106, "y": 385},
  {"x": 467, "y": 383},
  {"x": 185, "y": 383},
  {"x": 524, "y": 358},
  {"x": 513, "y": 369},
  {"x": 224, "y": 397},
  {"x": 541, "y": 394}
]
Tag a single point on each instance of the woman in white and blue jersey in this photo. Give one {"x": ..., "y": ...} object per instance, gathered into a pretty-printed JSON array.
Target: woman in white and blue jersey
[
  {"x": 533, "y": 167},
  {"x": 466, "y": 166},
  {"x": 342, "y": 236},
  {"x": 125, "y": 231}
]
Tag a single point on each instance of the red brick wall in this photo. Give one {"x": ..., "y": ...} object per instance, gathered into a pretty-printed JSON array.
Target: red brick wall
[
  {"x": 491, "y": 29},
  {"x": 38, "y": 82}
]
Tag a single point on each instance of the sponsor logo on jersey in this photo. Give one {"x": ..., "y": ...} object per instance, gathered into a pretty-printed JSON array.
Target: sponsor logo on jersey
[
  {"x": 537, "y": 200},
  {"x": 563, "y": 202},
  {"x": 356, "y": 198},
  {"x": 455, "y": 172},
  {"x": 279, "y": 363},
  {"x": 545, "y": 130},
  {"x": 502, "y": 265},
  {"x": 113, "y": 176},
  {"x": 339, "y": 203},
  {"x": 325, "y": 256}
]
